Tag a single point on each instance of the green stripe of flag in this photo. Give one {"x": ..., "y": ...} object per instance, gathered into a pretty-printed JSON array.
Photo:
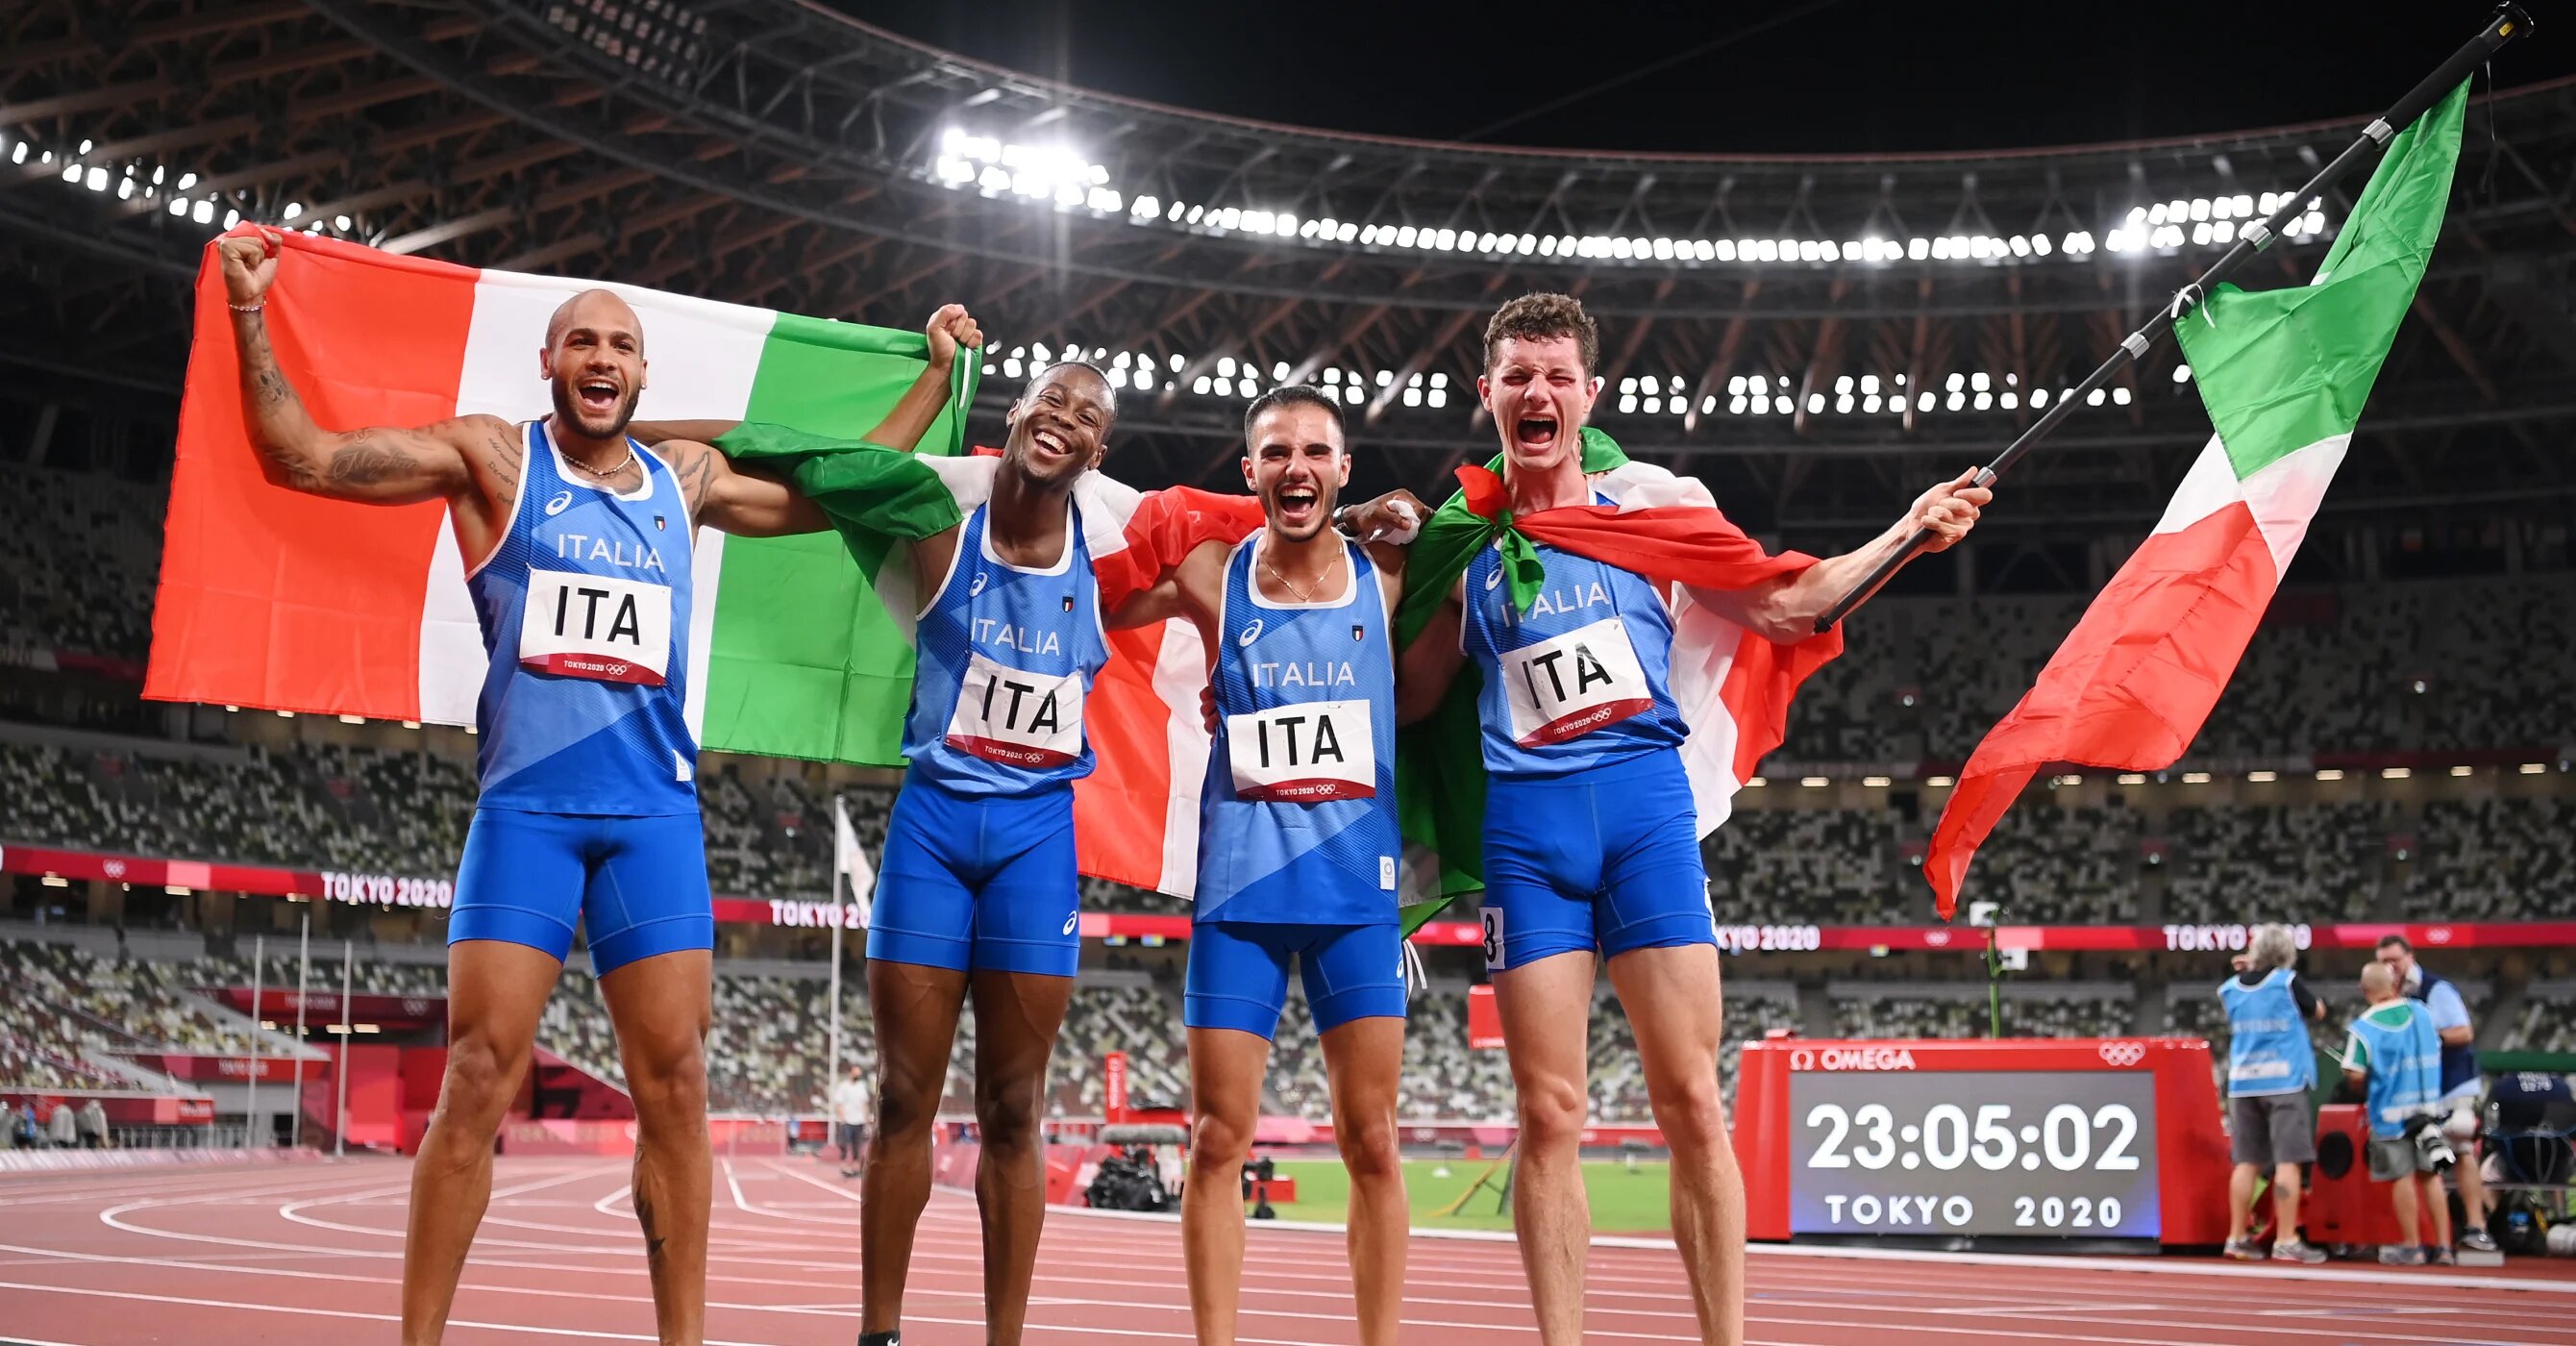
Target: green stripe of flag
[
  {"x": 803, "y": 661},
  {"x": 2283, "y": 369}
]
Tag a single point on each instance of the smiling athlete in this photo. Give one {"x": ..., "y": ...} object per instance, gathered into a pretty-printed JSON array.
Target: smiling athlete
[
  {"x": 577, "y": 541},
  {"x": 1298, "y": 852},
  {"x": 1591, "y": 837}
]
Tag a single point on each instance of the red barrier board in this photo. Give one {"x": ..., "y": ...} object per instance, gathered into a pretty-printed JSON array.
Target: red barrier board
[
  {"x": 2079, "y": 1138},
  {"x": 392, "y": 890}
]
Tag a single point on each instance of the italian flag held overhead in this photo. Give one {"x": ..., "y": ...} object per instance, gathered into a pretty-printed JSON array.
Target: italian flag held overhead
[
  {"x": 282, "y": 601},
  {"x": 2284, "y": 374}
]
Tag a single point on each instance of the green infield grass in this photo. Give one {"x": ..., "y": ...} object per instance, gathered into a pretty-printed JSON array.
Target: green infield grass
[{"x": 1622, "y": 1202}]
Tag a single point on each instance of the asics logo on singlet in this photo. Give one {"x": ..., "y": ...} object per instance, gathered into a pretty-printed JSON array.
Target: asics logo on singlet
[
  {"x": 1250, "y": 633},
  {"x": 559, "y": 504},
  {"x": 978, "y": 586},
  {"x": 1493, "y": 577},
  {"x": 1071, "y": 921}
]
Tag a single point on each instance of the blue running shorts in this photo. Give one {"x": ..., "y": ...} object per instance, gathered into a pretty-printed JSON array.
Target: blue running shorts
[
  {"x": 1238, "y": 974},
  {"x": 637, "y": 884},
  {"x": 1604, "y": 859},
  {"x": 979, "y": 882}
]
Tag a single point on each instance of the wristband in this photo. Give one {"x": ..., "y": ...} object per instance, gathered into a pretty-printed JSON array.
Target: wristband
[{"x": 245, "y": 308}]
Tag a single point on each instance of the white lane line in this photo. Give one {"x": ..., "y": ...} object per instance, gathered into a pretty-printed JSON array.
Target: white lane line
[{"x": 138, "y": 1297}]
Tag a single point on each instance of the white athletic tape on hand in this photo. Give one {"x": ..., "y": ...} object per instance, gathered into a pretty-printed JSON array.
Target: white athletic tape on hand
[{"x": 1404, "y": 534}]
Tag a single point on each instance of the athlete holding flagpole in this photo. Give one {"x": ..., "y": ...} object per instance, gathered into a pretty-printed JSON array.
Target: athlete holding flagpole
[{"x": 1591, "y": 836}]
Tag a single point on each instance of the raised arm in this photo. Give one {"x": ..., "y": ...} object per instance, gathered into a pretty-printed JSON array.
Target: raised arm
[
  {"x": 377, "y": 464},
  {"x": 731, "y": 500},
  {"x": 950, "y": 331},
  {"x": 1786, "y": 610}
]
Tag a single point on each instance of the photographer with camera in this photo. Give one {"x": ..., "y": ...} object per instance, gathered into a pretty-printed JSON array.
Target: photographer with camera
[
  {"x": 2462, "y": 1085},
  {"x": 2394, "y": 1057}
]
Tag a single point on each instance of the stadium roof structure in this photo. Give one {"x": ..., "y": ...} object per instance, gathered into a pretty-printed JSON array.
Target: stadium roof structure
[{"x": 1816, "y": 336}]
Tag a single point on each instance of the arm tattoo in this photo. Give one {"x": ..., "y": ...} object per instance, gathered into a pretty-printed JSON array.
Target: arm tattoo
[
  {"x": 697, "y": 476},
  {"x": 503, "y": 463},
  {"x": 367, "y": 460},
  {"x": 271, "y": 398}
]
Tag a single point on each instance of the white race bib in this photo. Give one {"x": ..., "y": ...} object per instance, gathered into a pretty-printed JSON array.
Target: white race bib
[
  {"x": 597, "y": 627},
  {"x": 1031, "y": 720},
  {"x": 1304, "y": 753},
  {"x": 1569, "y": 686}
]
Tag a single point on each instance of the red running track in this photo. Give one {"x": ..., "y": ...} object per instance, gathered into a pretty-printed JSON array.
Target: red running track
[{"x": 211, "y": 1257}]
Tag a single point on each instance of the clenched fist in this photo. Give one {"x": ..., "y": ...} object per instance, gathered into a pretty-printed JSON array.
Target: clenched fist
[
  {"x": 948, "y": 329},
  {"x": 250, "y": 265},
  {"x": 1949, "y": 510}
]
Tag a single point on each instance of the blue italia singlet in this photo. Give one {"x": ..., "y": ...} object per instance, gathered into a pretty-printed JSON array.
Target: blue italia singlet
[
  {"x": 1005, "y": 660},
  {"x": 584, "y": 607},
  {"x": 1298, "y": 822},
  {"x": 1580, "y": 680}
]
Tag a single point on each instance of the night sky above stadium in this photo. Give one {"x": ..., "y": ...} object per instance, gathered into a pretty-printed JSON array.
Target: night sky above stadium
[{"x": 1877, "y": 76}]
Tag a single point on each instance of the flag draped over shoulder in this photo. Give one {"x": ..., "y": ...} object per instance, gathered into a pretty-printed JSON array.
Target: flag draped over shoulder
[
  {"x": 1733, "y": 686},
  {"x": 2284, "y": 374},
  {"x": 283, "y": 601}
]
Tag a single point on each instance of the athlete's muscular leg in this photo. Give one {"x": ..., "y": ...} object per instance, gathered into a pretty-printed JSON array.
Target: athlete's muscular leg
[
  {"x": 1362, "y": 1060},
  {"x": 1226, "y": 1068},
  {"x": 1671, "y": 996},
  {"x": 1546, "y": 1009},
  {"x": 662, "y": 1008},
  {"x": 1016, "y": 1018},
  {"x": 495, "y": 993},
  {"x": 915, "y": 1011}
]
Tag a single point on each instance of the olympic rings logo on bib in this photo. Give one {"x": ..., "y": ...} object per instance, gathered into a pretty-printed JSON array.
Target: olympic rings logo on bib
[
  {"x": 1569, "y": 685},
  {"x": 1022, "y": 719},
  {"x": 597, "y": 627}
]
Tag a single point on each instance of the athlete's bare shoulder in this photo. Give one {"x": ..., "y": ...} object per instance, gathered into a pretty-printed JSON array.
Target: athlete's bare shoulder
[{"x": 495, "y": 453}]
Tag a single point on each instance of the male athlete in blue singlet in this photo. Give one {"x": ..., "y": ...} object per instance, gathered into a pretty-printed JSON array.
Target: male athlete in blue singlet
[
  {"x": 977, "y": 892},
  {"x": 577, "y": 541},
  {"x": 1298, "y": 852},
  {"x": 1591, "y": 836}
]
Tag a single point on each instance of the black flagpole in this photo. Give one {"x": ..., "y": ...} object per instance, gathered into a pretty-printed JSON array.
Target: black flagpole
[{"x": 2509, "y": 23}]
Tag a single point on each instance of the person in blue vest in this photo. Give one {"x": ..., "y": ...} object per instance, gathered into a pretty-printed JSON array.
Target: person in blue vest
[
  {"x": 2462, "y": 1085},
  {"x": 1299, "y": 851},
  {"x": 2394, "y": 1058},
  {"x": 2270, "y": 1070}
]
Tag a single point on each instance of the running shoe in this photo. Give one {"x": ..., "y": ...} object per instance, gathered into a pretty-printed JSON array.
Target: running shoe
[
  {"x": 2477, "y": 1241},
  {"x": 2441, "y": 1257},
  {"x": 2394, "y": 1255},
  {"x": 2298, "y": 1250},
  {"x": 2238, "y": 1250}
]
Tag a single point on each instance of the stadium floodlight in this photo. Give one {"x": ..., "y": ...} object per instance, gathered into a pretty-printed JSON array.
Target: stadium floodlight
[
  {"x": 2532, "y": 768},
  {"x": 2195, "y": 778},
  {"x": 2463, "y": 770},
  {"x": 2329, "y": 773},
  {"x": 2394, "y": 773},
  {"x": 2262, "y": 777},
  {"x": 1815, "y": 782},
  {"x": 1939, "y": 782}
]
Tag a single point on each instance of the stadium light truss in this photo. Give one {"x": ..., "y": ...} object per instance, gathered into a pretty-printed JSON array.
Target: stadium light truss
[
  {"x": 1067, "y": 179},
  {"x": 154, "y": 181}
]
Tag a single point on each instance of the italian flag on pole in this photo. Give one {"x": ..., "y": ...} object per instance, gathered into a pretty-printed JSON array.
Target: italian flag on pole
[
  {"x": 282, "y": 601},
  {"x": 2284, "y": 374}
]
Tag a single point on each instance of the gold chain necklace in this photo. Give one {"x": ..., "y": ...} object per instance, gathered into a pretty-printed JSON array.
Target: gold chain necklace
[{"x": 1289, "y": 584}]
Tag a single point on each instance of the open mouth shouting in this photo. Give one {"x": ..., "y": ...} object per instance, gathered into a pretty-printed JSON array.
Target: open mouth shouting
[
  {"x": 1535, "y": 433},
  {"x": 1299, "y": 504},
  {"x": 597, "y": 397},
  {"x": 1050, "y": 444}
]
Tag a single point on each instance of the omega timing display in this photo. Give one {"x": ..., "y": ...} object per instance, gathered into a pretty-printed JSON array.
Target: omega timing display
[{"x": 2047, "y": 1154}]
